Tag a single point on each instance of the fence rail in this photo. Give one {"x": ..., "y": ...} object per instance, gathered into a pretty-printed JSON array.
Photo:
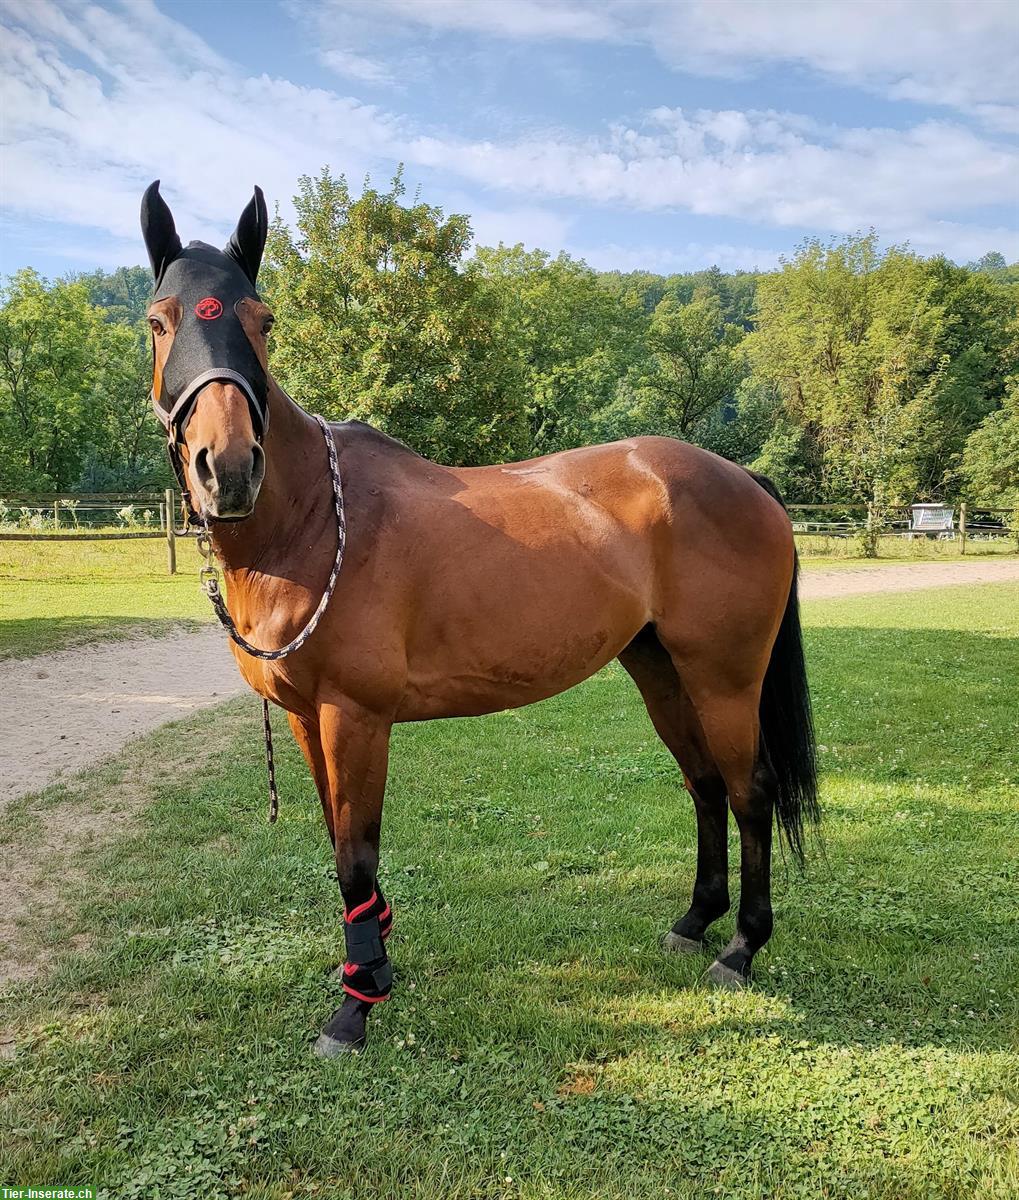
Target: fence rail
[
  {"x": 57, "y": 509},
  {"x": 967, "y": 520},
  {"x": 68, "y": 517}
]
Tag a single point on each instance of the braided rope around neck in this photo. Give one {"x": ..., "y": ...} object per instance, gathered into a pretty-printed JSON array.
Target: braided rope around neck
[{"x": 210, "y": 585}]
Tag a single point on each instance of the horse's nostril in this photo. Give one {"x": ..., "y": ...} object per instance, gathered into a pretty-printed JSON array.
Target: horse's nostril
[
  {"x": 202, "y": 468},
  {"x": 257, "y": 466}
]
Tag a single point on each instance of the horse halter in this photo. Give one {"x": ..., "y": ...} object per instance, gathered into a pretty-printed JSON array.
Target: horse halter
[{"x": 209, "y": 286}]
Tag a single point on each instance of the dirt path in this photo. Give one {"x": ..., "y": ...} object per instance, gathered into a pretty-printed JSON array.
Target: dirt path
[
  {"x": 62, "y": 711},
  {"x": 824, "y": 584}
]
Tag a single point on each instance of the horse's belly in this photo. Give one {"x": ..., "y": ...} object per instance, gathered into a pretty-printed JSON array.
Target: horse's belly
[{"x": 487, "y": 660}]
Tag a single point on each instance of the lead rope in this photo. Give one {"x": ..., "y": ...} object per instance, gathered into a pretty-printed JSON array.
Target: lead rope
[{"x": 209, "y": 579}]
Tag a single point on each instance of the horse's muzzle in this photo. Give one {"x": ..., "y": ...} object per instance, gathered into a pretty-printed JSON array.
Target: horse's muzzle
[{"x": 227, "y": 484}]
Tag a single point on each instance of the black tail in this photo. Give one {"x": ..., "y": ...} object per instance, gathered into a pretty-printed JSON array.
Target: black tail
[{"x": 787, "y": 723}]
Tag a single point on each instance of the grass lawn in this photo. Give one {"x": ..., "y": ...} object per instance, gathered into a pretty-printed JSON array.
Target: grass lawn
[
  {"x": 61, "y": 594},
  {"x": 538, "y": 1043}
]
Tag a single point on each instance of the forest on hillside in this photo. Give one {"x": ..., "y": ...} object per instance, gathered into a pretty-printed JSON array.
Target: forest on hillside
[{"x": 851, "y": 373}]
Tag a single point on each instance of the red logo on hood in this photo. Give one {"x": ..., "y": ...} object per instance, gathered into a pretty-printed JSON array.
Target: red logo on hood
[{"x": 208, "y": 309}]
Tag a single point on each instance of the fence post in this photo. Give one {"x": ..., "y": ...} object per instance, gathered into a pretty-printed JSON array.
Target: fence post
[
  {"x": 962, "y": 527},
  {"x": 872, "y": 532},
  {"x": 56, "y": 514},
  {"x": 171, "y": 534}
]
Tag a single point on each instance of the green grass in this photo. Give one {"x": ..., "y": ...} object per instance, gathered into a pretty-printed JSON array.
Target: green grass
[
  {"x": 66, "y": 593},
  {"x": 538, "y": 1044}
]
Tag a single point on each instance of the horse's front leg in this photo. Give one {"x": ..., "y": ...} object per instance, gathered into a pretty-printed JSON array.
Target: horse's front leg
[{"x": 355, "y": 747}]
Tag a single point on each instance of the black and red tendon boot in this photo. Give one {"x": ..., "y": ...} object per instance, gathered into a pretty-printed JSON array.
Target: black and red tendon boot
[{"x": 367, "y": 975}]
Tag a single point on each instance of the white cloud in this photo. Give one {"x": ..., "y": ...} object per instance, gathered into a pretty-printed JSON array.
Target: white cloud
[
  {"x": 571, "y": 19},
  {"x": 756, "y": 166},
  {"x": 356, "y": 66},
  {"x": 83, "y": 143},
  {"x": 94, "y": 108},
  {"x": 532, "y": 226},
  {"x": 957, "y": 53},
  {"x": 691, "y": 256}
]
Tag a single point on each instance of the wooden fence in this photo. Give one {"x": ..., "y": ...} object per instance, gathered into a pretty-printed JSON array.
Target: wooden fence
[
  {"x": 969, "y": 521},
  {"x": 72, "y": 518}
]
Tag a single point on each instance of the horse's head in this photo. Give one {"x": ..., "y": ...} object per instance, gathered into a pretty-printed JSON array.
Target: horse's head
[{"x": 210, "y": 374}]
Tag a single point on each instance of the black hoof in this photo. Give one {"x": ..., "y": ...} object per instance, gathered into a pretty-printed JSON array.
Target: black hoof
[
  {"x": 344, "y": 1032},
  {"x": 330, "y": 1047},
  {"x": 675, "y": 943},
  {"x": 726, "y": 978}
]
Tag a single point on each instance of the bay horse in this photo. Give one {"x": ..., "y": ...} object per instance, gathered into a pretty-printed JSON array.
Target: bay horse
[{"x": 465, "y": 591}]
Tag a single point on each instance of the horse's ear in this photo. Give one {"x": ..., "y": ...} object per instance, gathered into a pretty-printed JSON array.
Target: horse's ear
[
  {"x": 159, "y": 231},
  {"x": 248, "y": 240}
]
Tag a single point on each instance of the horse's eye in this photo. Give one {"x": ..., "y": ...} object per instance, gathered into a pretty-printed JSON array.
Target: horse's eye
[
  {"x": 267, "y": 325},
  {"x": 157, "y": 326}
]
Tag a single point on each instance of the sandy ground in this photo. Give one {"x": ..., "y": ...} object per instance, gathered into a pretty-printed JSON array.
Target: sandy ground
[
  {"x": 62, "y": 711},
  {"x": 905, "y": 577}
]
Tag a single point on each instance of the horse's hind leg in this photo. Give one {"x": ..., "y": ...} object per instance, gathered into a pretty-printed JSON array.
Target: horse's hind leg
[
  {"x": 677, "y": 724},
  {"x": 732, "y": 731}
]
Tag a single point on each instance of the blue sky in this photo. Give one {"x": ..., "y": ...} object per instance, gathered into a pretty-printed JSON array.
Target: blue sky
[{"x": 660, "y": 134}]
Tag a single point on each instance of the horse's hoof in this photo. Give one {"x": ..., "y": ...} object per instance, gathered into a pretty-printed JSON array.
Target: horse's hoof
[
  {"x": 677, "y": 944},
  {"x": 330, "y": 1047},
  {"x": 725, "y": 977}
]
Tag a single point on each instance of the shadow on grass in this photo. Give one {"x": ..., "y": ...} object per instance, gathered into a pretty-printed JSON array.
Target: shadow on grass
[{"x": 25, "y": 637}]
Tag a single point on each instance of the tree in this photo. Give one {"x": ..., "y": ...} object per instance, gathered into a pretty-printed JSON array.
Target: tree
[
  {"x": 991, "y": 461},
  {"x": 72, "y": 390},
  {"x": 991, "y": 458},
  {"x": 990, "y": 263},
  {"x": 571, "y": 338},
  {"x": 123, "y": 295},
  {"x": 695, "y": 365},
  {"x": 853, "y": 342},
  {"x": 376, "y": 319},
  {"x": 48, "y": 345}
]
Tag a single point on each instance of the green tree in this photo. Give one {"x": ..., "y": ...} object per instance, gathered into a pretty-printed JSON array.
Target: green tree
[
  {"x": 570, "y": 337},
  {"x": 991, "y": 461},
  {"x": 375, "y": 319},
  {"x": 123, "y": 294},
  {"x": 974, "y": 345},
  {"x": 852, "y": 340},
  {"x": 49, "y": 343},
  {"x": 694, "y": 366},
  {"x": 73, "y": 390},
  {"x": 127, "y": 446},
  {"x": 991, "y": 458}
]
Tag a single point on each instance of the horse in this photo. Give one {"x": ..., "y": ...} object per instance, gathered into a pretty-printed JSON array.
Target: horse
[{"x": 454, "y": 592}]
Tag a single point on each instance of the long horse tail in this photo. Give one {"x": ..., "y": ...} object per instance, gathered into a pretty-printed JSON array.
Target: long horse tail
[{"x": 787, "y": 722}]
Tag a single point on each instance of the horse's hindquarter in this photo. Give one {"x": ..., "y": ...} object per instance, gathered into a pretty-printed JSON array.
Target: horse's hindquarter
[{"x": 527, "y": 578}]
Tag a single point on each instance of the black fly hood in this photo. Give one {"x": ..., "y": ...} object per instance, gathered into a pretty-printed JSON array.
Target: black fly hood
[{"x": 210, "y": 343}]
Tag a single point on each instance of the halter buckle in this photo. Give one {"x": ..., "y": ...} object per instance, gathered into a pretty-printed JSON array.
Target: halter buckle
[{"x": 208, "y": 579}]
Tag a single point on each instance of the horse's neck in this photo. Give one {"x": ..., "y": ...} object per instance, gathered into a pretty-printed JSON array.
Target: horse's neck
[{"x": 296, "y": 495}]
